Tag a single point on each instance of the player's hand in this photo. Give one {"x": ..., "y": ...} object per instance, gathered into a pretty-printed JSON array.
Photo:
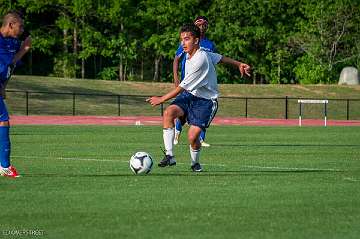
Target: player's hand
[
  {"x": 27, "y": 44},
  {"x": 154, "y": 101},
  {"x": 244, "y": 69}
]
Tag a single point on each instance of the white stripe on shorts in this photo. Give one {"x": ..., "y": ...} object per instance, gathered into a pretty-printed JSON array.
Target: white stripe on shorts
[{"x": 213, "y": 112}]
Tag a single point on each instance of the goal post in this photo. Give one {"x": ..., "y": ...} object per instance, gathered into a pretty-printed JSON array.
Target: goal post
[{"x": 304, "y": 101}]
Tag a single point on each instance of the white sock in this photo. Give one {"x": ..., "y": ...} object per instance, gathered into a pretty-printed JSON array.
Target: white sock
[
  {"x": 4, "y": 171},
  {"x": 168, "y": 136},
  {"x": 195, "y": 155}
]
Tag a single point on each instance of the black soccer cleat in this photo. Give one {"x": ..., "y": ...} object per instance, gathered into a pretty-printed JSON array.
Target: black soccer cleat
[
  {"x": 167, "y": 161},
  {"x": 196, "y": 168}
]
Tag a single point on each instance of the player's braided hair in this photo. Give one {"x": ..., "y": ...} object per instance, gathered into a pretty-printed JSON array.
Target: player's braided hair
[{"x": 191, "y": 27}]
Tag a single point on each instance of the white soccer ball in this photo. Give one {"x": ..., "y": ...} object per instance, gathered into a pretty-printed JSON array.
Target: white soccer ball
[{"x": 141, "y": 163}]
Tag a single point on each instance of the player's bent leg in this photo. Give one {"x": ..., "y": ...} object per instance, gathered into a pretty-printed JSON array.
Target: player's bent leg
[
  {"x": 195, "y": 146},
  {"x": 178, "y": 125},
  {"x": 6, "y": 169},
  {"x": 178, "y": 129},
  {"x": 171, "y": 113},
  {"x": 202, "y": 135},
  {"x": 202, "y": 139}
]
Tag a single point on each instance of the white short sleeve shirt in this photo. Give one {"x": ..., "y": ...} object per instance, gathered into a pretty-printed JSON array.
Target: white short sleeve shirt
[{"x": 200, "y": 74}]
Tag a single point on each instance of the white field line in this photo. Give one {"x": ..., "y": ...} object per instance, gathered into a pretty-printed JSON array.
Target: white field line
[
  {"x": 292, "y": 168},
  {"x": 351, "y": 179},
  {"x": 67, "y": 158}
]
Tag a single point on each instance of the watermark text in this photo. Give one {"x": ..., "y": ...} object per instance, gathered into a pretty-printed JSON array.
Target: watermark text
[{"x": 23, "y": 232}]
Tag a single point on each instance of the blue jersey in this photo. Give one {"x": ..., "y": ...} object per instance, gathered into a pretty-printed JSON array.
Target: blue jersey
[
  {"x": 205, "y": 44},
  {"x": 9, "y": 46}
]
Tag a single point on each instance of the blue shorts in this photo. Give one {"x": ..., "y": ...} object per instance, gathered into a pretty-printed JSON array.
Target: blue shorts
[
  {"x": 4, "y": 115},
  {"x": 198, "y": 111}
]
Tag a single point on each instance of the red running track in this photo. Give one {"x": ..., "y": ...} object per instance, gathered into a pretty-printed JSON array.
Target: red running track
[{"x": 157, "y": 120}]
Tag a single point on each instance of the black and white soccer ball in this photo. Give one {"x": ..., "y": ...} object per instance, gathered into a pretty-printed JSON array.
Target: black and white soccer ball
[{"x": 141, "y": 163}]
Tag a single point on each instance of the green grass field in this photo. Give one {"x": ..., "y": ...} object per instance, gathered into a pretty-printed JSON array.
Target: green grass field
[{"x": 259, "y": 182}]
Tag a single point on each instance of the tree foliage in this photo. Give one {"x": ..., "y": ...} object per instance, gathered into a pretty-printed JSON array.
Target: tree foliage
[{"x": 303, "y": 41}]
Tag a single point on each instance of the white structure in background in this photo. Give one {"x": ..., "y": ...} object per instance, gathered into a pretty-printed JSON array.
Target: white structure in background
[{"x": 349, "y": 76}]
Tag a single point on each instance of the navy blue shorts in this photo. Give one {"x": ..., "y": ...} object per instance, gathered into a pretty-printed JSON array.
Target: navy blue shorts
[
  {"x": 4, "y": 116},
  {"x": 198, "y": 111}
]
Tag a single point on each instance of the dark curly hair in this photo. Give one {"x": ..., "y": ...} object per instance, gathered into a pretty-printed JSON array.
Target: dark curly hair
[{"x": 191, "y": 27}]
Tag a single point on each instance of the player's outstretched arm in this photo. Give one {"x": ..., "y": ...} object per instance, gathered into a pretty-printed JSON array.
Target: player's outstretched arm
[
  {"x": 243, "y": 68},
  {"x": 176, "y": 71},
  {"x": 157, "y": 100},
  {"x": 25, "y": 47}
]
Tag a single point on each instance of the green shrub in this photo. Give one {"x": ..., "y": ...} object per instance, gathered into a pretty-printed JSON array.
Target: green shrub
[{"x": 109, "y": 73}]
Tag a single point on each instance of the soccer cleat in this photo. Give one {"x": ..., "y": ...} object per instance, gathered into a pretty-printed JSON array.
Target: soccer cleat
[
  {"x": 9, "y": 172},
  {"x": 176, "y": 138},
  {"x": 167, "y": 161},
  {"x": 204, "y": 144},
  {"x": 196, "y": 167}
]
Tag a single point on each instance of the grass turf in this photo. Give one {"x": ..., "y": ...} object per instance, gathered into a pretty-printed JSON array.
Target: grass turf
[{"x": 259, "y": 182}]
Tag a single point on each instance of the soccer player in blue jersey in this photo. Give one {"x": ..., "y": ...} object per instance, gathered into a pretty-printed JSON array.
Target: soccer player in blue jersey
[
  {"x": 11, "y": 51},
  {"x": 196, "y": 96},
  {"x": 202, "y": 22}
]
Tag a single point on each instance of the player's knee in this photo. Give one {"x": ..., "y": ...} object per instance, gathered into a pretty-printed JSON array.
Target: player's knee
[
  {"x": 169, "y": 113},
  {"x": 193, "y": 138},
  {"x": 4, "y": 123}
]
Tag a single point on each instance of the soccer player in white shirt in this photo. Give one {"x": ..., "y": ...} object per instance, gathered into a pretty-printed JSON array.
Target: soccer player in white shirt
[{"x": 198, "y": 104}]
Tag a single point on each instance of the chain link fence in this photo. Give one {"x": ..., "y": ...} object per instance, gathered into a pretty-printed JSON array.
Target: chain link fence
[{"x": 55, "y": 103}]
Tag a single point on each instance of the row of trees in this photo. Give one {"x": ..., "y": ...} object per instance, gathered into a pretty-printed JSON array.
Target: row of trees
[{"x": 302, "y": 41}]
